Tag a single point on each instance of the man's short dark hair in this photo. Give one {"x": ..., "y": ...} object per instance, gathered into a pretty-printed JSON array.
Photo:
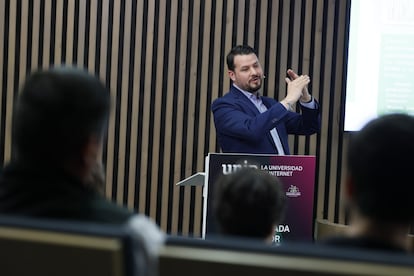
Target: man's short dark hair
[
  {"x": 56, "y": 112},
  {"x": 248, "y": 203},
  {"x": 236, "y": 51},
  {"x": 381, "y": 164}
]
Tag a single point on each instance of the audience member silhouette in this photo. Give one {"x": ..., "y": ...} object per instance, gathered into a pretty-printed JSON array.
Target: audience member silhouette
[
  {"x": 379, "y": 185},
  {"x": 55, "y": 171},
  {"x": 248, "y": 203}
]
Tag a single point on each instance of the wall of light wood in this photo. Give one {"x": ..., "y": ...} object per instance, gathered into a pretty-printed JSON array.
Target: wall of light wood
[{"x": 164, "y": 63}]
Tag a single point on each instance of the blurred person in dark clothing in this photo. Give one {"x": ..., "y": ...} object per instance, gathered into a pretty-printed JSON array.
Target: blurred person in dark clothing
[
  {"x": 379, "y": 185},
  {"x": 248, "y": 203},
  {"x": 55, "y": 171}
]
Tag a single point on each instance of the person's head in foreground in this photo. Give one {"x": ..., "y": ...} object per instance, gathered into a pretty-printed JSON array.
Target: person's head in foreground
[
  {"x": 59, "y": 121},
  {"x": 379, "y": 183},
  {"x": 248, "y": 203}
]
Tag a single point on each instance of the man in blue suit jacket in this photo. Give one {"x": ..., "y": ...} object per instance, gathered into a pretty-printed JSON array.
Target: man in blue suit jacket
[{"x": 249, "y": 123}]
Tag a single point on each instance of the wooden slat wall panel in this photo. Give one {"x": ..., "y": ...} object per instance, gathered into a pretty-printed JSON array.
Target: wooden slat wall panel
[{"x": 164, "y": 62}]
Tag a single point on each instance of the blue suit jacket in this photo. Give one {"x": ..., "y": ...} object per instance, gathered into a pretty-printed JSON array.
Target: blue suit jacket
[{"x": 241, "y": 128}]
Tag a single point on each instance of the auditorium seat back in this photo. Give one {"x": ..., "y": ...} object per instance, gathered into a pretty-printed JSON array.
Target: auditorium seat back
[
  {"x": 47, "y": 247},
  {"x": 325, "y": 229},
  {"x": 226, "y": 257}
]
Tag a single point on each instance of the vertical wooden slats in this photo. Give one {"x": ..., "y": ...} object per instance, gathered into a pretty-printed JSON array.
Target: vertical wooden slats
[
  {"x": 8, "y": 76},
  {"x": 70, "y": 32},
  {"x": 164, "y": 63},
  {"x": 23, "y": 41},
  {"x": 202, "y": 107},
  {"x": 327, "y": 61},
  {"x": 110, "y": 78},
  {"x": 178, "y": 208},
  {"x": 339, "y": 46},
  {"x": 158, "y": 112},
  {"x": 261, "y": 31},
  {"x": 167, "y": 167},
  {"x": 125, "y": 115},
  {"x": 217, "y": 62},
  {"x": 270, "y": 62},
  {"x": 191, "y": 25},
  {"x": 133, "y": 100},
  {"x": 3, "y": 55}
]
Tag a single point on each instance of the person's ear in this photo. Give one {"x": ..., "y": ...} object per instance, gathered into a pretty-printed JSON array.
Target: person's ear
[
  {"x": 349, "y": 187},
  {"x": 91, "y": 151},
  {"x": 271, "y": 235},
  {"x": 232, "y": 75},
  {"x": 93, "y": 174}
]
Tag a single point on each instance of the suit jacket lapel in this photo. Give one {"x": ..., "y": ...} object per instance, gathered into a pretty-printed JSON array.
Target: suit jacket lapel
[
  {"x": 267, "y": 102},
  {"x": 244, "y": 101}
]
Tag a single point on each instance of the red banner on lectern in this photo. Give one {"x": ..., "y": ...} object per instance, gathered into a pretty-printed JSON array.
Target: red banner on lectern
[{"x": 297, "y": 174}]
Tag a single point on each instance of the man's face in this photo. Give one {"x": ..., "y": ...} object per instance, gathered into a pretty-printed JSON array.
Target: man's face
[{"x": 248, "y": 73}]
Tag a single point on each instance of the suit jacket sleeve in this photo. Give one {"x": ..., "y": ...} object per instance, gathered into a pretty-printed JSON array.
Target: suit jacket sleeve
[
  {"x": 242, "y": 120},
  {"x": 239, "y": 118}
]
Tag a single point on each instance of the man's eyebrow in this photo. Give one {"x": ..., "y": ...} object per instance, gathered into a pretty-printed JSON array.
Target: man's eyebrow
[{"x": 247, "y": 66}]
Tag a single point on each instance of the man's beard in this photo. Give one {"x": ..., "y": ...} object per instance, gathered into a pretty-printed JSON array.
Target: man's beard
[{"x": 254, "y": 89}]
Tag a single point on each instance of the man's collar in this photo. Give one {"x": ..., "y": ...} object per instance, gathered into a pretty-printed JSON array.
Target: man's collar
[{"x": 247, "y": 93}]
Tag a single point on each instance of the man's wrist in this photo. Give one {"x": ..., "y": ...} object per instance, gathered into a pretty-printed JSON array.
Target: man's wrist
[
  {"x": 308, "y": 101},
  {"x": 287, "y": 104}
]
